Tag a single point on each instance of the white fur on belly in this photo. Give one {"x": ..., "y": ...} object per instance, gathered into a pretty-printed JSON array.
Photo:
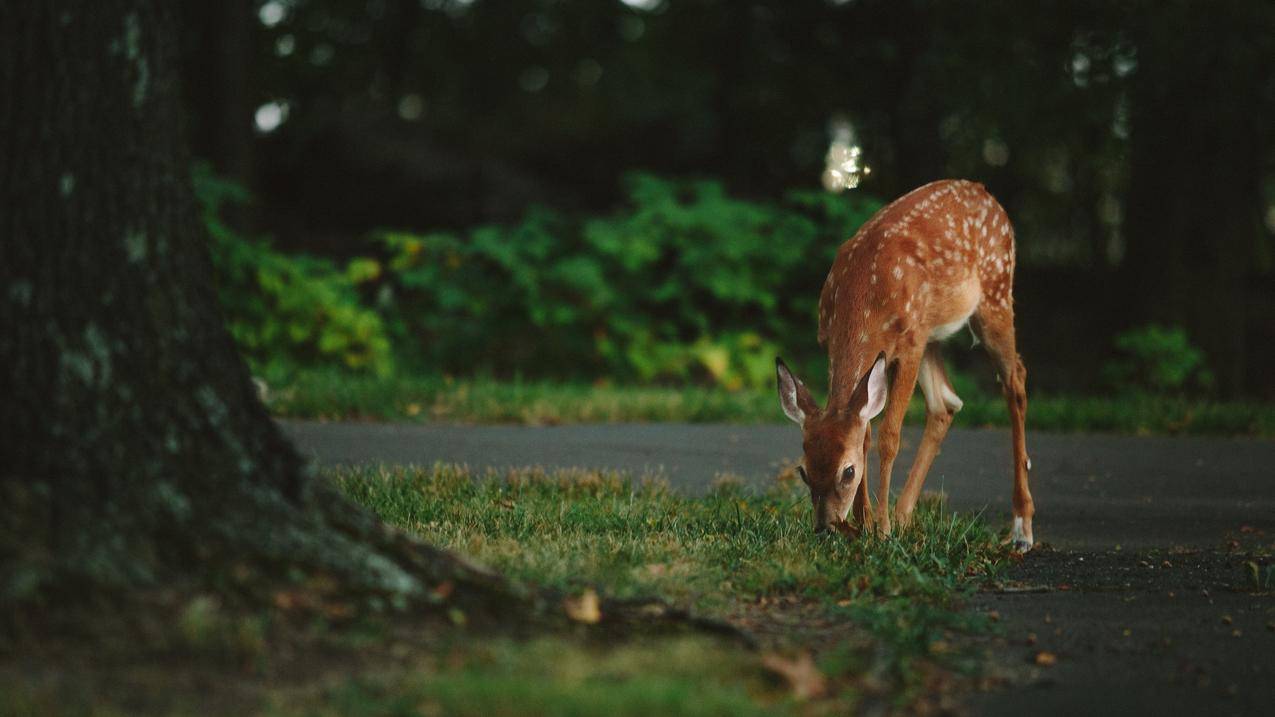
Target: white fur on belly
[{"x": 943, "y": 331}]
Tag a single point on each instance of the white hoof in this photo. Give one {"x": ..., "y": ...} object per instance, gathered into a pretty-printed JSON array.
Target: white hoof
[{"x": 1020, "y": 537}]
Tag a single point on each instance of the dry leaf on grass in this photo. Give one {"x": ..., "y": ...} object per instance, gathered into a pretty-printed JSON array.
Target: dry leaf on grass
[
  {"x": 799, "y": 672},
  {"x": 1046, "y": 659},
  {"x": 583, "y": 608}
]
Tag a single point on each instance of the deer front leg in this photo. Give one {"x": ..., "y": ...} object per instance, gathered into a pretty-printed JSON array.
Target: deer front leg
[
  {"x": 862, "y": 503},
  {"x": 891, "y": 425},
  {"x": 941, "y": 404}
]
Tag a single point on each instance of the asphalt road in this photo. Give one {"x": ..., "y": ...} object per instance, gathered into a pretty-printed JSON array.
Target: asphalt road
[{"x": 1139, "y": 587}]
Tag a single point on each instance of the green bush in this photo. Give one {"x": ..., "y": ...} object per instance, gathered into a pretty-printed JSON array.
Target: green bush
[
  {"x": 1157, "y": 359},
  {"x": 288, "y": 311},
  {"x": 683, "y": 283}
]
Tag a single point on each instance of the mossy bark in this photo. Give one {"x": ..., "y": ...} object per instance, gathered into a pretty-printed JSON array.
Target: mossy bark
[{"x": 135, "y": 448}]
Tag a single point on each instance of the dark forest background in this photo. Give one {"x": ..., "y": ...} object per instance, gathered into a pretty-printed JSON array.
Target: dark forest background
[{"x": 1131, "y": 142}]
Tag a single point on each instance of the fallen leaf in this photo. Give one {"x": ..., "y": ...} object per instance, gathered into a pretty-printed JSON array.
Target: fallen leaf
[
  {"x": 1046, "y": 659},
  {"x": 583, "y": 608},
  {"x": 285, "y": 600},
  {"x": 1226, "y": 620},
  {"x": 293, "y": 600},
  {"x": 338, "y": 610},
  {"x": 801, "y": 674}
]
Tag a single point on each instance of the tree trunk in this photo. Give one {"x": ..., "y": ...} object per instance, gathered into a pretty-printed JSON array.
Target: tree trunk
[
  {"x": 136, "y": 450},
  {"x": 1200, "y": 130}
]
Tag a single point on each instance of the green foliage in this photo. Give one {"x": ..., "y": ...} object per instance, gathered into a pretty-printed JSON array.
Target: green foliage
[
  {"x": 1157, "y": 359},
  {"x": 684, "y": 284},
  {"x": 288, "y": 311}
]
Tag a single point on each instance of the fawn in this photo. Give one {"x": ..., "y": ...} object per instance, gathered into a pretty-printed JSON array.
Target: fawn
[{"x": 913, "y": 275}]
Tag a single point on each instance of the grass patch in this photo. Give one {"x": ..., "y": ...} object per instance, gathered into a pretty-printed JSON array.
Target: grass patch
[
  {"x": 336, "y": 396},
  {"x": 885, "y": 610},
  {"x": 545, "y": 676}
]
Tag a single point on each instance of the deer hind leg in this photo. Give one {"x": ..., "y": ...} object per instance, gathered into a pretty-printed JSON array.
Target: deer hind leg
[
  {"x": 941, "y": 404},
  {"x": 997, "y": 328},
  {"x": 896, "y": 406}
]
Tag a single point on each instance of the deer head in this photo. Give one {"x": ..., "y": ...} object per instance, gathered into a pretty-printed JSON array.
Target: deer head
[{"x": 832, "y": 440}]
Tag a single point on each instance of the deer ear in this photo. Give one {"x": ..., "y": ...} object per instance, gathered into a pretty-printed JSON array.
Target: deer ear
[
  {"x": 794, "y": 397},
  {"x": 869, "y": 395}
]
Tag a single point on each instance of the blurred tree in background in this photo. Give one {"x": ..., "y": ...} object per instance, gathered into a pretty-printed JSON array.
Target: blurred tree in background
[{"x": 1130, "y": 141}]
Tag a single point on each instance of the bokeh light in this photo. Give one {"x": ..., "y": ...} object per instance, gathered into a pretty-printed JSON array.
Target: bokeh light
[{"x": 844, "y": 167}]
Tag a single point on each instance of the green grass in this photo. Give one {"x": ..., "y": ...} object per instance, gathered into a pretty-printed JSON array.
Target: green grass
[
  {"x": 553, "y": 676},
  {"x": 885, "y": 607},
  {"x": 332, "y": 396},
  {"x": 571, "y": 529},
  {"x": 336, "y": 396}
]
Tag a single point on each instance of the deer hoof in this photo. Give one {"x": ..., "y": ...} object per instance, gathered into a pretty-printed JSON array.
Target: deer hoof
[{"x": 1019, "y": 539}]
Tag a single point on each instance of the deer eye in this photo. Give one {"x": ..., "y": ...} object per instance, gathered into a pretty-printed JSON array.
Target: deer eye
[
  {"x": 801, "y": 471},
  {"x": 847, "y": 475}
]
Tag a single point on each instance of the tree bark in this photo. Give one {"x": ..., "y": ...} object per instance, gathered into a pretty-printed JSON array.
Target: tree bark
[{"x": 135, "y": 448}]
